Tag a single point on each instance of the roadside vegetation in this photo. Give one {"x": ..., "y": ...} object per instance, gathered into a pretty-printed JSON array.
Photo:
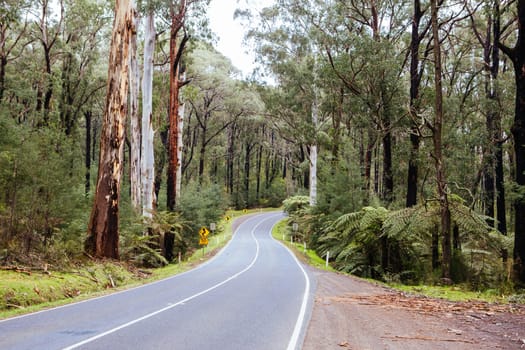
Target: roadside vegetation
[
  {"x": 355, "y": 245},
  {"x": 395, "y": 162},
  {"x": 24, "y": 289}
]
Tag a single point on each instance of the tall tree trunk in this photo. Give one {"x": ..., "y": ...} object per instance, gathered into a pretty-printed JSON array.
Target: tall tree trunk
[
  {"x": 415, "y": 79},
  {"x": 173, "y": 161},
  {"x": 202, "y": 153},
  {"x": 48, "y": 40},
  {"x": 134, "y": 88},
  {"x": 48, "y": 83},
  {"x": 3, "y": 65},
  {"x": 517, "y": 55},
  {"x": 103, "y": 229},
  {"x": 445, "y": 230},
  {"x": 258, "y": 175},
  {"x": 489, "y": 150},
  {"x": 176, "y": 49},
  {"x": 147, "y": 148},
  {"x": 498, "y": 151},
  {"x": 368, "y": 166},
  {"x": 247, "y": 166},
  {"x": 66, "y": 98},
  {"x": 377, "y": 183},
  {"x": 336, "y": 125},
  {"x": 87, "y": 158},
  {"x": 180, "y": 144},
  {"x": 388, "y": 178},
  {"x": 313, "y": 153},
  {"x": 230, "y": 158}
]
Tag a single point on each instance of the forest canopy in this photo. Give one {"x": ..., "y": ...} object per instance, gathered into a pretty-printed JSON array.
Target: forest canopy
[{"x": 391, "y": 129}]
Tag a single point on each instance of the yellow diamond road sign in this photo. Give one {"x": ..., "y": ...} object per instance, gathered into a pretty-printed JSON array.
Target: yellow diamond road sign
[{"x": 203, "y": 232}]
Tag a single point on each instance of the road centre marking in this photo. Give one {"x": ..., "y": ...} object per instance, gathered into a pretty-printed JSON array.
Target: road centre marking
[
  {"x": 113, "y": 330},
  {"x": 129, "y": 289}
]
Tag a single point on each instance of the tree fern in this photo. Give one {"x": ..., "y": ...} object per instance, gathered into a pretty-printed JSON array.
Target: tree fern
[{"x": 356, "y": 241}]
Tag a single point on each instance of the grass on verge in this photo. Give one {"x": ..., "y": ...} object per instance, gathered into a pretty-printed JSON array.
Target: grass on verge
[
  {"x": 282, "y": 233},
  {"x": 23, "y": 290}
]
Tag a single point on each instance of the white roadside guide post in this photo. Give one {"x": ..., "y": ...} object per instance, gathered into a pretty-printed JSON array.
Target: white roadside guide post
[{"x": 212, "y": 229}]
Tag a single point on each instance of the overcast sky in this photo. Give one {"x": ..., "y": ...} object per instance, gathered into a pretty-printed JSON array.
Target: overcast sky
[{"x": 231, "y": 33}]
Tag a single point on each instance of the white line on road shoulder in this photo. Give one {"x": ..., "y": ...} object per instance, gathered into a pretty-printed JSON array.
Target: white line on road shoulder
[
  {"x": 113, "y": 330},
  {"x": 294, "y": 340}
]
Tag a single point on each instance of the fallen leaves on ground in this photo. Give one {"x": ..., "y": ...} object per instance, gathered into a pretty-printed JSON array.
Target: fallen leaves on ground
[{"x": 428, "y": 305}]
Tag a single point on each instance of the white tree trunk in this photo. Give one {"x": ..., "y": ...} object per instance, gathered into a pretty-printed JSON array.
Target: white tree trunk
[
  {"x": 147, "y": 154},
  {"x": 179, "y": 151},
  {"x": 313, "y": 155},
  {"x": 134, "y": 87}
]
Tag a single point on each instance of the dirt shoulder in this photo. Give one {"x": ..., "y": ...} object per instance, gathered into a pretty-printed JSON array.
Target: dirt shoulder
[{"x": 350, "y": 313}]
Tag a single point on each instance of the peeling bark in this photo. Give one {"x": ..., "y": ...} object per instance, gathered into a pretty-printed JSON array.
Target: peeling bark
[
  {"x": 147, "y": 148},
  {"x": 134, "y": 87},
  {"x": 103, "y": 229}
]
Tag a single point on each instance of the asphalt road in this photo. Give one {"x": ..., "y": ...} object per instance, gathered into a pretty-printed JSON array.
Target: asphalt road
[{"x": 253, "y": 295}]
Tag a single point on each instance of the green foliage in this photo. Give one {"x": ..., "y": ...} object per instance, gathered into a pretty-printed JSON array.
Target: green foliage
[
  {"x": 358, "y": 242},
  {"x": 199, "y": 206},
  {"x": 274, "y": 195},
  {"x": 294, "y": 205},
  {"x": 352, "y": 241},
  {"x": 41, "y": 189},
  {"x": 142, "y": 250}
]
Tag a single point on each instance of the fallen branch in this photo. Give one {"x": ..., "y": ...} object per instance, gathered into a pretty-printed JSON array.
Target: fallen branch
[
  {"x": 112, "y": 282},
  {"x": 16, "y": 269},
  {"x": 429, "y": 339}
]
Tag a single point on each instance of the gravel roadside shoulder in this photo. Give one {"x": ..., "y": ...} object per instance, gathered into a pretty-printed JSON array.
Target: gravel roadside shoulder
[{"x": 350, "y": 313}]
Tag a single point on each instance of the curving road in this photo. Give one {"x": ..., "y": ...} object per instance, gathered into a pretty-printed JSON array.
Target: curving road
[{"x": 253, "y": 295}]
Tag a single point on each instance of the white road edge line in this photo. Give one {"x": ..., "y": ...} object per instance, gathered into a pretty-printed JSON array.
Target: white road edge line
[
  {"x": 129, "y": 289},
  {"x": 98, "y": 336},
  {"x": 292, "y": 344}
]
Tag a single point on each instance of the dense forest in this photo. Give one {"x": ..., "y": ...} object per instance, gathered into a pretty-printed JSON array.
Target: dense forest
[{"x": 393, "y": 130}]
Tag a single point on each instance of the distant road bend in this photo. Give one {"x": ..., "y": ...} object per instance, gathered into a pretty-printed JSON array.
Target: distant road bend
[{"x": 253, "y": 295}]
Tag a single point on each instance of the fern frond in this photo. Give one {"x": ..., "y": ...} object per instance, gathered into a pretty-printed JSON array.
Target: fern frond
[
  {"x": 372, "y": 219},
  {"x": 346, "y": 222},
  {"x": 398, "y": 222}
]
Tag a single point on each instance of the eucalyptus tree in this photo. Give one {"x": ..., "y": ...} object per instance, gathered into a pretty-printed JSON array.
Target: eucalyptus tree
[
  {"x": 103, "y": 229},
  {"x": 284, "y": 41},
  {"x": 346, "y": 34},
  {"x": 180, "y": 13},
  {"x": 135, "y": 122},
  {"x": 517, "y": 55},
  {"x": 13, "y": 28},
  {"x": 486, "y": 26},
  {"x": 213, "y": 89},
  {"x": 437, "y": 129},
  {"x": 178, "y": 10},
  {"x": 147, "y": 155},
  {"x": 47, "y": 31},
  {"x": 81, "y": 43},
  {"x": 217, "y": 103},
  {"x": 417, "y": 67}
]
